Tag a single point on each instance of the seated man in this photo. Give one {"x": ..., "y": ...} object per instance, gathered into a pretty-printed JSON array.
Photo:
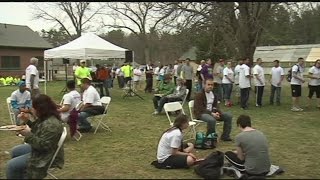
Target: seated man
[
  {"x": 206, "y": 109},
  {"x": 69, "y": 101},
  {"x": 177, "y": 95},
  {"x": 91, "y": 105},
  {"x": 165, "y": 88},
  {"x": 252, "y": 154},
  {"x": 20, "y": 101}
]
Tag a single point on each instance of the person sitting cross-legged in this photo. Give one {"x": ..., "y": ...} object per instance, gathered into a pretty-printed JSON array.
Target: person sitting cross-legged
[
  {"x": 206, "y": 109},
  {"x": 252, "y": 154},
  {"x": 165, "y": 88},
  {"x": 69, "y": 101},
  {"x": 172, "y": 153},
  {"x": 91, "y": 105},
  {"x": 20, "y": 101},
  {"x": 177, "y": 95}
]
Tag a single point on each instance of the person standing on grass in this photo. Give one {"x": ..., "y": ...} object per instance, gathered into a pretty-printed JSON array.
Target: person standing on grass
[
  {"x": 244, "y": 84},
  {"x": 120, "y": 77},
  {"x": 251, "y": 156},
  {"x": 82, "y": 72},
  {"x": 198, "y": 75},
  {"x": 206, "y": 109},
  {"x": 236, "y": 79},
  {"x": 103, "y": 75},
  {"x": 217, "y": 78},
  {"x": 172, "y": 153},
  {"x": 206, "y": 71},
  {"x": 314, "y": 83},
  {"x": 296, "y": 82},
  {"x": 187, "y": 75},
  {"x": 32, "y": 77},
  {"x": 258, "y": 74},
  {"x": 149, "y": 78},
  {"x": 136, "y": 77},
  {"x": 175, "y": 71},
  {"x": 276, "y": 78},
  {"x": 227, "y": 83}
]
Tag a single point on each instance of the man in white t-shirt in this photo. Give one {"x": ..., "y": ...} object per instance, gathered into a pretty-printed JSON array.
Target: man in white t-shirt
[
  {"x": 227, "y": 83},
  {"x": 236, "y": 79},
  {"x": 175, "y": 72},
  {"x": 259, "y": 80},
  {"x": 244, "y": 84},
  {"x": 296, "y": 82},
  {"x": 32, "y": 77},
  {"x": 276, "y": 78},
  {"x": 137, "y": 77},
  {"x": 69, "y": 100},
  {"x": 314, "y": 83},
  {"x": 91, "y": 105}
]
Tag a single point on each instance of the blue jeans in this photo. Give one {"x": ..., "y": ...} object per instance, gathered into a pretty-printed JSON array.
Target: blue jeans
[
  {"x": 211, "y": 123},
  {"x": 16, "y": 167},
  {"x": 83, "y": 122},
  {"x": 227, "y": 89},
  {"x": 277, "y": 91}
]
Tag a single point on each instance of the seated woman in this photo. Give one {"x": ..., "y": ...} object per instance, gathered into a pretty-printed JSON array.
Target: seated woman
[
  {"x": 170, "y": 152},
  {"x": 31, "y": 160},
  {"x": 252, "y": 154},
  {"x": 177, "y": 95}
]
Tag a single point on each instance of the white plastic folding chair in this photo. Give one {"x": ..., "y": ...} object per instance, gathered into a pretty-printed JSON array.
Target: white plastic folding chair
[
  {"x": 185, "y": 97},
  {"x": 11, "y": 113},
  {"x": 176, "y": 106},
  {"x": 60, "y": 143},
  {"x": 197, "y": 121},
  {"x": 105, "y": 100}
]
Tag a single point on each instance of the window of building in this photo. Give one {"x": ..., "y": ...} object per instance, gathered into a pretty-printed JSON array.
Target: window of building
[{"x": 10, "y": 62}]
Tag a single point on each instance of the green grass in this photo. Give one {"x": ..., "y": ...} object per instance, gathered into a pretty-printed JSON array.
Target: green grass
[{"x": 128, "y": 150}]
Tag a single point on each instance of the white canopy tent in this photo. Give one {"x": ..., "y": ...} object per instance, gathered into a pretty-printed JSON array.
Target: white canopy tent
[{"x": 88, "y": 46}]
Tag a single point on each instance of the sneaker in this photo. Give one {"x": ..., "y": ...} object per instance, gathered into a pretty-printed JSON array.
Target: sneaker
[
  {"x": 155, "y": 113},
  {"x": 300, "y": 109},
  {"x": 294, "y": 109},
  {"x": 226, "y": 139},
  {"x": 218, "y": 102}
]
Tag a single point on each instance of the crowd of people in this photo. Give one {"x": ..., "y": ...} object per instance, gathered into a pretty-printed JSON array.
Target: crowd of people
[{"x": 43, "y": 118}]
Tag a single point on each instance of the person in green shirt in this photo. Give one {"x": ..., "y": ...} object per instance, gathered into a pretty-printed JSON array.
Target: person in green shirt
[
  {"x": 165, "y": 88},
  {"x": 127, "y": 70},
  {"x": 82, "y": 72}
]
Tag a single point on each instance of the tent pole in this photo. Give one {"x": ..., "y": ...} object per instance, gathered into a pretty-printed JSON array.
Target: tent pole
[{"x": 45, "y": 76}]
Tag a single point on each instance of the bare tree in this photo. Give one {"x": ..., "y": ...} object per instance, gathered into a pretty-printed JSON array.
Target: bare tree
[
  {"x": 140, "y": 18},
  {"x": 79, "y": 14}
]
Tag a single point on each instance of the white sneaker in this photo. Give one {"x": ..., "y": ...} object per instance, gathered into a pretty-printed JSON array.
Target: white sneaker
[
  {"x": 155, "y": 113},
  {"x": 294, "y": 109},
  {"x": 300, "y": 109}
]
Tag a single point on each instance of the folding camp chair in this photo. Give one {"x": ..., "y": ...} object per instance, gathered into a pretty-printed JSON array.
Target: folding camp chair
[
  {"x": 60, "y": 143},
  {"x": 105, "y": 101},
  {"x": 191, "y": 105},
  {"x": 11, "y": 113},
  {"x": 185, "y": 97},
  {"x": 176, "y": 106}
]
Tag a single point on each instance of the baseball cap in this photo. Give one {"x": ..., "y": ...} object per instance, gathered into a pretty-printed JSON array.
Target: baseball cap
[
  {"x": 21, "y": 83},
  {"x": 82, "y": 61}
]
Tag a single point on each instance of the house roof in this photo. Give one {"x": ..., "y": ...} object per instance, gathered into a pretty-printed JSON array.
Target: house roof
[
  {"x": 289, "y": 53},
  {"x": 21, "y": 36},
  {"x": 191, "y": 54}
]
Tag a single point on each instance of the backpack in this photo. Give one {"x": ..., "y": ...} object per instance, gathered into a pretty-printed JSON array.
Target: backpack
[
  {"x": 206, "y": 142},
  {"x": 210, "y": 167},
  {"x": 289, "y": 75}
]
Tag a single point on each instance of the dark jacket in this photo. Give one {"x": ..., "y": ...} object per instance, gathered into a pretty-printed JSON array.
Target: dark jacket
[
  {"x": 43, "y": 140},
  {"x": 200, "y": 105}
]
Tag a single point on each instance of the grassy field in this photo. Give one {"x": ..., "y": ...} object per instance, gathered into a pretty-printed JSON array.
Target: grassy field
[{"x": 129, "y": 149}]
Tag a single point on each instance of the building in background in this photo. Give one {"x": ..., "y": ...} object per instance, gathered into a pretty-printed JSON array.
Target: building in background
[{"x": 17, "y": 45}]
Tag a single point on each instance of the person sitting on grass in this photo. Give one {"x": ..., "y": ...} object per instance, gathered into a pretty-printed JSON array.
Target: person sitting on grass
[
  {"x": 165, "y": 88},
  {"x": 31, "y": 160},
  {"x": 172, "y": 153},
  {"x": 69, "y": 101},
  {"x": 177, "y": 95},
  {"x": 91, "y": 105},
  {"x": 252, "y": 154},
  {"x": 20, "y": 101}
]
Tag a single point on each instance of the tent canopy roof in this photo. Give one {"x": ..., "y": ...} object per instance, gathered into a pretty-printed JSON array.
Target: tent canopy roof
[{"x": 88, "y": 46}]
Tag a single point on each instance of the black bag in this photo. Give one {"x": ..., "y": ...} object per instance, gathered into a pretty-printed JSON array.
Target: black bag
[
  {"x": 210, "y": 168},
  {"x": 289, "y": 75}
]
